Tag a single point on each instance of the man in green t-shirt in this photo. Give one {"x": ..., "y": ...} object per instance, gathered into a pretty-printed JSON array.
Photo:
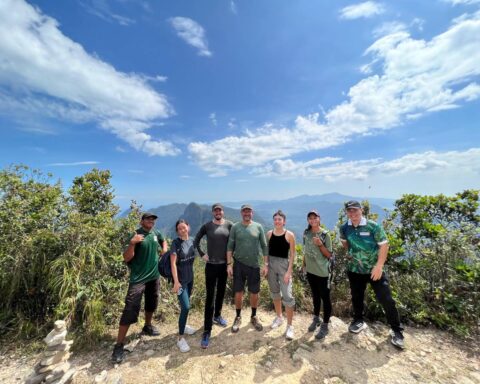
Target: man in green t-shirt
[
  {"x": 246, "y": 245},
  {"x": 141, "y": 255},
  {"x": 367, "y": 250}
]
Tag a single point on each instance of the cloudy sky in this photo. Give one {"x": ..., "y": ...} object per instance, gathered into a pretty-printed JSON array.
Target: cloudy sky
[{"x": 237, "y": 100}]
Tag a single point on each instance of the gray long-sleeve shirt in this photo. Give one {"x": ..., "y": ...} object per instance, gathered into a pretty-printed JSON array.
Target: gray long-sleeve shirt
[{"x": 217, "y": 239}]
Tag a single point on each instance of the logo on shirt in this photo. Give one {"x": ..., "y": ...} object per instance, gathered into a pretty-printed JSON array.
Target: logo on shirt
[
  {"x": 364, "y": 233},
  {"x": 155, "y": 238}
]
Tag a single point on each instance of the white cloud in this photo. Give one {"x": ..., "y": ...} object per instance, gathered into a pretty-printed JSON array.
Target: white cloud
[
  {"x": 102, "y": 9},
  {"x": 213, "y": 118},
  {"x": 192, "y": 33},
  {"x": 45, "y": 73},
  {"x": 331, "y": 169},
  {"x": 462, "y": 2},
  {"x": 74, "y": 164},
  {"x": 414, "y": 77},
  {"x": 233, "y": 7},
  {"x": 365, "y": 9},
  {"x": 388, "y": 28}
]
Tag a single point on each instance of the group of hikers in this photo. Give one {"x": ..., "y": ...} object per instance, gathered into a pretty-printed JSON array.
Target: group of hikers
[{"x": 236, "y": 251}]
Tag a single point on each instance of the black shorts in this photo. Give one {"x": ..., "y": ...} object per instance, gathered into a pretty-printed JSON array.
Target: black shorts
[
  {"x": 242, "y": 273},
  {"x": 134, "y": 300}
]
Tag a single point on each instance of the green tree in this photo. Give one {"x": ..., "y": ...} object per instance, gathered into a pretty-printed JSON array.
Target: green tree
[{"x": 31, "y": 220}]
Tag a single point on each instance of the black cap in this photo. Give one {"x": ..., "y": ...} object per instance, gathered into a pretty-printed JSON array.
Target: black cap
[
  {"x": 146, "y": 215},
  {"x": 314, "y": 212},
  {"x": 353, "y": 204},
  {"x": 217, "y": 206},
  {"x": 246, "y": 206}
]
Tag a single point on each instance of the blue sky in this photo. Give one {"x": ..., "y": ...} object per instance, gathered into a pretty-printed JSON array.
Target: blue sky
[{"x": 236, "y": 100}]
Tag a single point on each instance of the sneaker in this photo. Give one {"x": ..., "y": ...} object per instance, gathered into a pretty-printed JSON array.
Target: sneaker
[
  {"x": 236, "y": 324},
  {"x": 277, "y": 322},
  {"x": 256, "y": 323},
  {"x": 315, "y": 323},
  {"x": 205, "y": 340},
  {"x": 322, "y": 332},
  {"x": 357, "y": 326},
  {"x": 289, "y": 335},
  {"x": 189, "y": 330},
  {"x": 150, "y": 330},
  {"x": 398, "y": 339},
  {"x": 118, "y": 354},
  {"x": 183, "y": 345},
  {"x": 219, "y": 320}
]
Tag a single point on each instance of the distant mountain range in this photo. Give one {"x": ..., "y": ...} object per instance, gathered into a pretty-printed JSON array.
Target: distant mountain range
[{"x": 296, "y": 208}]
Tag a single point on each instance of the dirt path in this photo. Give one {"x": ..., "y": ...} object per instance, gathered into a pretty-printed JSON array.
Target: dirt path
[{"x": 249, "y": 356}]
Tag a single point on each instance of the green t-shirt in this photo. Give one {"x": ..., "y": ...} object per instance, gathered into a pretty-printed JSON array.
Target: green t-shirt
[
  {"x": 248, "y": 243},
  {"x": 144, "y": 265},
  {"x": 315, "y": 262},
  {"x": 363, "y": 242}
]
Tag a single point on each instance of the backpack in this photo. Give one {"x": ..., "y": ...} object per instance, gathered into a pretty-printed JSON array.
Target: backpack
[
  {"x": 331, "y": 261},
  {"x": 164, "y": 266}
]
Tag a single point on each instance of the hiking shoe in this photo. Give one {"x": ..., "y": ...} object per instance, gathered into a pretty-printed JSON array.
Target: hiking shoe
[
  {"x": 277, "y": 322},
  {"x": 189, "y": 330},
  {"x": 289, "y": 335},
  {"x": 256, "y": 323},
  {"x": 398, "y": 339},
  {"x": 322, "y": 332},
  {"x": 357, "y": 326},
  {"x": 205, "y": 340},
  {"x": 236, "y": 324},
  {"x": 150, "y": 330},
  {"x": 219, "y": 320},
  {"x": 118, "y": 354},
  {"x": 183, "y": 345},
  {"x": 315, "y": 323}
]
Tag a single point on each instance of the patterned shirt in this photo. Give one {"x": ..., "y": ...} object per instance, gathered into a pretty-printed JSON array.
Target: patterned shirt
[{"x": 363, "y": 243}]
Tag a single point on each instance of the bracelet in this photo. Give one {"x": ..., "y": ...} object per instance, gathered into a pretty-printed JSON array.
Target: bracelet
[
  {"x": 230, "y": 263},
  {"x": 266, "y": 264}
]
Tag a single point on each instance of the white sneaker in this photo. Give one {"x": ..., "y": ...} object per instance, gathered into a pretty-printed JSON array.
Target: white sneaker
[
  {"x": 183, "y": 345},
  {"x": 277, "y": 322},
  {"x": 289, "y": 335},
  {"x": 189, "y": 330}
]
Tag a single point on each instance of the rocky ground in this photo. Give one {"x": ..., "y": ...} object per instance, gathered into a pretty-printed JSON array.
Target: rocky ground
[{"x": 431, "y": 356}]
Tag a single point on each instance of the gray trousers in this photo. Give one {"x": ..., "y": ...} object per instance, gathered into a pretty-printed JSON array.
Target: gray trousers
[{"x": 278, "y": 266}]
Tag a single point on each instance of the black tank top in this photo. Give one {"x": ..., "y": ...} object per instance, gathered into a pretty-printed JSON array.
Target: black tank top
[{"x": 278, "y": 246}]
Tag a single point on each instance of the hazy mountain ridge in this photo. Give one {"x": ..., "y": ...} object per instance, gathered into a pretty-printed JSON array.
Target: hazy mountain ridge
[{"x": 295, "y": 208}]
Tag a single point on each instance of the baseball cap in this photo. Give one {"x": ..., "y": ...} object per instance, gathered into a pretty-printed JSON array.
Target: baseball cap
[
  {"x": 217, "y": 205},
  {"x": 146, "y": 215},
  {"x": 353, "y": 204},
  {"x": 246, "y": 206},
  {"x": 314, "y": 212}
]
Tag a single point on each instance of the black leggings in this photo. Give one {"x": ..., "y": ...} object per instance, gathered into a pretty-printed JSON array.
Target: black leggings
[
  {"x": 320, "y": 292},
  {"x": 358, "y": 284},
  {"x": 215, "y": 279}
]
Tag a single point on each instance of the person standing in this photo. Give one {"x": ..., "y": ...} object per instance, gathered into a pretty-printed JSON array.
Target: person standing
[
  {"x": 182, "y": 256},
  {"x": 367, "y": 250},
  {"x": 281, "y": 255},
  {"x": 246, "y": 241},
  {"x": 316, "y": 255},
  {"x": 141, "y": 256},
  {"x": 217, "y": 232}
]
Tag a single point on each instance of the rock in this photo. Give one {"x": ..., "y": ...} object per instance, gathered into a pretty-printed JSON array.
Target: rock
[
  {"x": 222, "y": 364},
  {"x": 423, "y": 354},
  {"x": 55, "y": 338},
  {"x": 416, "y": 375},
  {"x": 67, "y": 377},
  {"x": 131, "y": 346},
  {"x": 58, "y": 372},
  {"x": 149, "y": 353},
  {"x": 63, "y": 346},
  {"x": 306, "y": 347},
  {"x": 101, "y": 377},
  {"x": 85, "y": 366},
  {"x": 268, "y": 364},
  {"x": 48, "y": 368},
  {"x": 35, "y": 378},
  {"x": 60, "y": 356},
  {"x": 59, "y": 325},
  {"x": 117, "y": 379}
]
